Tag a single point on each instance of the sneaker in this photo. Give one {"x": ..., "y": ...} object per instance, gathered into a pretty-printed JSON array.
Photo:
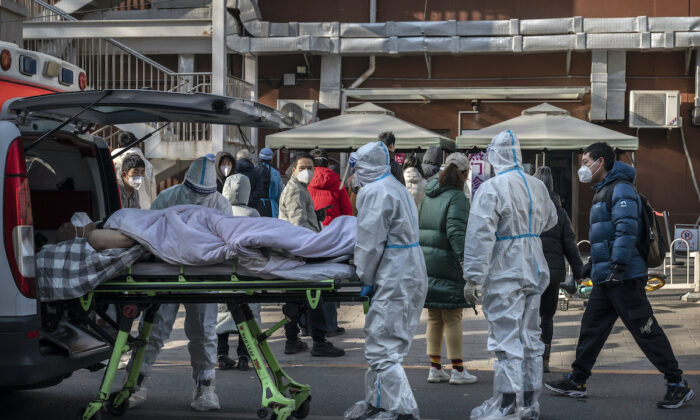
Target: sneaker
[
  {"x": 124, "y": 361},
  {"x": 138, "y": 398},
  {"x": 676, "y": 395},
  {"x": 326, "y": 349},
  {"x": 204, "y": 398},
  {"x": 437, "y": 375},
  {"x": 335, "y": 332},
  {"x": 566, "y": 386},
  {"x": 461, "y": 378},
  {"x": 293, "y": 347},
  {"x": 225, "y": 362}
]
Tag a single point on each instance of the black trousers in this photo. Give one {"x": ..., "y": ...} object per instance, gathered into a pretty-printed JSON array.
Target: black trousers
[
  {"x": 314, "y": 317},
  {"x": 628, "y": 301},
  {"x": 548, "y": 305},
  {"x": 222, "y": 346}
]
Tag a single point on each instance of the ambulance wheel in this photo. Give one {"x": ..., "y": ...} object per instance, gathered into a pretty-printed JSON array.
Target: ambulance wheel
[
  {"x": 303, "y": 411},
  {"x": 116, "y": 411}
]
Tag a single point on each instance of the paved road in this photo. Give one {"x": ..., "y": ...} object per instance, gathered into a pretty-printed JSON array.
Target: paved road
[{"x": 624, "y": 386}]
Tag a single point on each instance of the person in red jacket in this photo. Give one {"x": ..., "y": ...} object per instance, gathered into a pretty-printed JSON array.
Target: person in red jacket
[{"x": 325, "y": 189}]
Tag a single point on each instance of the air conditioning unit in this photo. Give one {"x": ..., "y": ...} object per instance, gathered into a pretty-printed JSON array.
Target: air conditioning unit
[
  {"x": 654, "y": 108},
  {"x": 300, "y": 111}
]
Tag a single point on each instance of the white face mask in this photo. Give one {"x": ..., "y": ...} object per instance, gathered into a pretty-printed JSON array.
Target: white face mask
[
  {"x": 80, "y": 219},
  {"x": 135, "y": 182},
  {"x": 585, "y": 174},
  {"x": 305, "y": 176},
  {"x": 225, "y": 169}
]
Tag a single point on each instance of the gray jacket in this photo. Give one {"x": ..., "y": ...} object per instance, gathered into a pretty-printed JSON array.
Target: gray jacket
[{"x": 297, "y": 207}]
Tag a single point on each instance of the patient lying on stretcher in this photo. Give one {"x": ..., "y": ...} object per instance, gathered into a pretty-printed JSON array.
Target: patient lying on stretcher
[
  {"x": 102, "y": 239},
  {"x": 186, "y": 236}
]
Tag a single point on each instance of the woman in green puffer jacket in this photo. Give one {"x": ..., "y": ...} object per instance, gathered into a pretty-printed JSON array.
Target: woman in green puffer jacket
[{"x": 443, "y": 224}]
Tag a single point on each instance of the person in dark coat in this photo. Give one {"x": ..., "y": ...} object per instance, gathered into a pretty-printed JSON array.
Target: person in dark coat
[
  {"x": 245, "y": 166},
  {"x": 557, "y": 243},
  {"x": 432, "y": 160},
  {"x": 443, "y": 223},
  {"x": 225, "y": 164},
  {"x": 389, "y": 141},
  {"x": 619, "y": 274}
]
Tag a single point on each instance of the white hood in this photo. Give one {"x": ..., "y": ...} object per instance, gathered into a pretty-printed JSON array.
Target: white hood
[
  {"x": 371, "y": 162},
  {"x": 504, "y": 152}
]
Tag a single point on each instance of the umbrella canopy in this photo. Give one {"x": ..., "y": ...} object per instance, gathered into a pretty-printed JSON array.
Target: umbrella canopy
[
  {"x": 356, "y": 127},
  {"x": 548, "y": 127}
]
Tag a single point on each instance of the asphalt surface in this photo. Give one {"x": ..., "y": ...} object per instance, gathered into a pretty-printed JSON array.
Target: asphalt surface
[
  {"x": 624, "y": 384},
  {"x": 618, "y": 396}
]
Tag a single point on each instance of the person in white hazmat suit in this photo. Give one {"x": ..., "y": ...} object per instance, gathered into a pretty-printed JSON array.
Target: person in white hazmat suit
[
  {"x": 391, "y": 265},
  {"x": 503, "y": 254},
  {"x": 198, "y": 188}
]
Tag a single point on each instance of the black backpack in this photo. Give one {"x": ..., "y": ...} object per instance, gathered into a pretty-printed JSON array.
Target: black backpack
[{"x": 652, "y": 244}]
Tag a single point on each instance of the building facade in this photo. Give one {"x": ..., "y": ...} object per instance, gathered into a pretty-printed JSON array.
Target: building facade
[{"x": 664, "y": 174}]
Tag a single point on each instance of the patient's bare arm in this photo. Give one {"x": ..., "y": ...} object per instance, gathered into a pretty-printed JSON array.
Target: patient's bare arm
[{"x": 102, "y": 239}]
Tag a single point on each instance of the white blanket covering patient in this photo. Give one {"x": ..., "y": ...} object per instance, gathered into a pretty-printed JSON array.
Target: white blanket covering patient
[
  {"x": 191, "y": 236},
  {"x": 195, "y": 235}
]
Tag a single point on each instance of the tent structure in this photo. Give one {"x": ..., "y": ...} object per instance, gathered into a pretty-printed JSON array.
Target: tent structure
[
  {"x": 356, "y": 127},
  {"x": 548, "y": 127}
]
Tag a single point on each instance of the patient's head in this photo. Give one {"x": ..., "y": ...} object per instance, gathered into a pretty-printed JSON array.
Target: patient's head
[{"x": 237, "y": 189}]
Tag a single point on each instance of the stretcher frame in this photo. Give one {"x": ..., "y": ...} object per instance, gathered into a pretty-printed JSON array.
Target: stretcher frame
[{"x": 282, "y": 396}]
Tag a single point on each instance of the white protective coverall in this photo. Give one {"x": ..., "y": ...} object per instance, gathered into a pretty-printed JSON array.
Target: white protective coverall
[
  {"x": 504, "y": 255},
  {"x": 200, "y": 320},
  {"x": 389, "y": 259}
]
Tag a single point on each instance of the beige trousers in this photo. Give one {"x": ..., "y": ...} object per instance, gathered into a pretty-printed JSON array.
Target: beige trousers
[{"x": 447, "y": 323}]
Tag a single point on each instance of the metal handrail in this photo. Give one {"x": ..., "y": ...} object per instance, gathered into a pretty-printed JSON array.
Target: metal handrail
[
  {"x": 687, "y": 260},
  {"x": 112, "y": 41},
  {"x": 109, "y": 64}
]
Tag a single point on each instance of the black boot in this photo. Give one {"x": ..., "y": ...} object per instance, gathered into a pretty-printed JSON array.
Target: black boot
[
  {"x": 529, "y": 412},
  {"x": 508, "y": 405},
  {"x": 371, "y": 411},
  {"x": 545, "y": 358}
]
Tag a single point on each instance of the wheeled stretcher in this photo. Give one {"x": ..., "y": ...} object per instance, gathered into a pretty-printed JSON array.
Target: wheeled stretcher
[{"x": 148, "y": 285}]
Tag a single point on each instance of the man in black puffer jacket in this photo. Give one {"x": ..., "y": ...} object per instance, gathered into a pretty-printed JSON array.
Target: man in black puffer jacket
[{"x": 557, "y": 243}]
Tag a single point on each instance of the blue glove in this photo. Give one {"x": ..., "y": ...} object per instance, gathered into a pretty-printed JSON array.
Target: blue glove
[{"x": 367, "y": 291}]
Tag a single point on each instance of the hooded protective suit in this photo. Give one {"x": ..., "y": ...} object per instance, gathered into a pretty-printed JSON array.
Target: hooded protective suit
[
  {"x": 504, "y": 255},
  {"x": 388, "y": 258},
  {"x": 198, "y": 188}
]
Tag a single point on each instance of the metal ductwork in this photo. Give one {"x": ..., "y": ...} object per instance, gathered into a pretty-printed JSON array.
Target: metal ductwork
[
  {"x": 462, "y": 37},
  {"x": 608, "y": 85},
  {"x": 695, "y": 113},
  {"x": 329, "y": 94}
]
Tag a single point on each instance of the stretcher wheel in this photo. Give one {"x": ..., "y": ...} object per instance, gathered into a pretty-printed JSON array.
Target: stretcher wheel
[
  {"x": 96, "y": 416},
  {"x": 303, "y": 411},
  {"x": 119, "y": 410},
  {"x": 262, "y": 413}
]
